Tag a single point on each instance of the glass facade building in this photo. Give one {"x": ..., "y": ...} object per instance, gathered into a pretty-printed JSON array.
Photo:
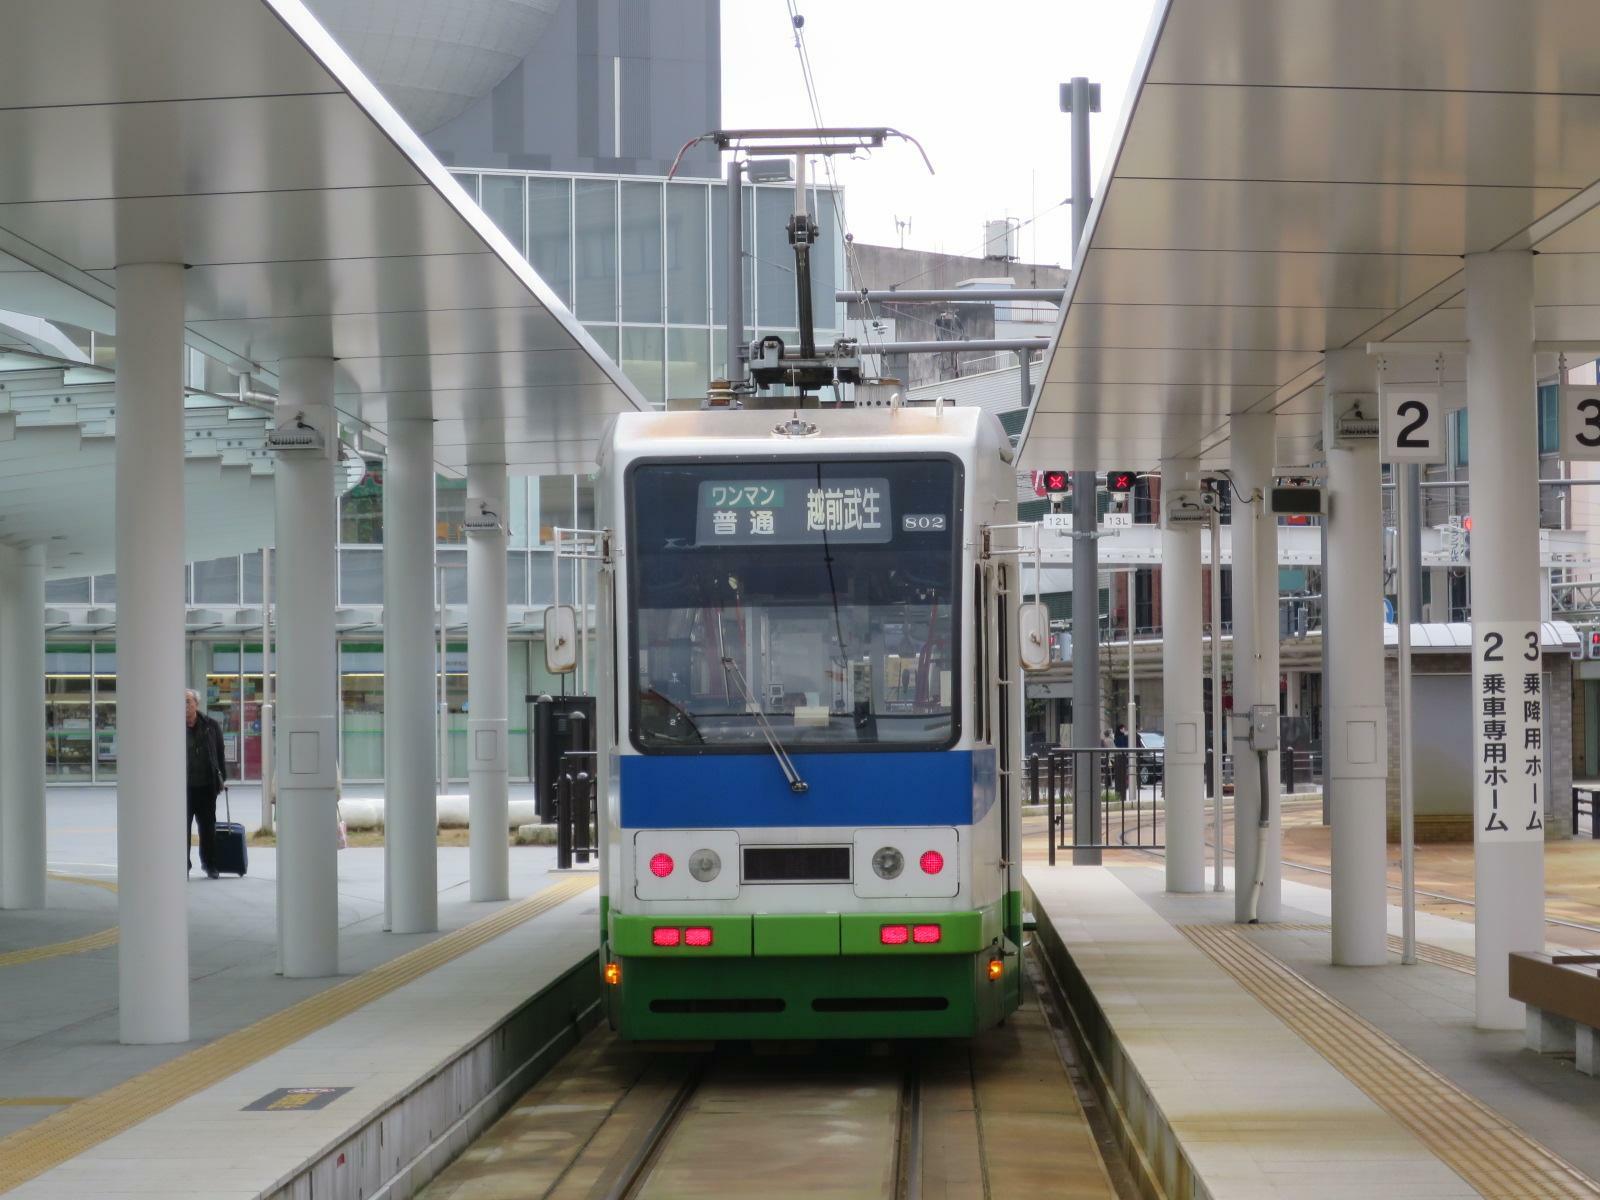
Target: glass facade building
[{"x": 642, "y": 263}]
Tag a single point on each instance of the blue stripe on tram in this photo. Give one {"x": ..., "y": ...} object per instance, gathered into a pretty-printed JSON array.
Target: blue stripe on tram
[{"x": 698, "y": 791}]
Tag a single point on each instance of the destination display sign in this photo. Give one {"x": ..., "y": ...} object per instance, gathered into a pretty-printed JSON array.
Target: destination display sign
[{"x": 787, "y": 512}]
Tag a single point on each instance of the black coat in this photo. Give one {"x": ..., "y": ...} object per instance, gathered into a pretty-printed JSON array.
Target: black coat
[{"x": 217, "y": 755}]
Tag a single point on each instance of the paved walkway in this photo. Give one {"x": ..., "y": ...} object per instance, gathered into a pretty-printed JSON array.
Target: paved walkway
[
  {"x": 1281, "y": 1075},
  {"x": 58, "y": 966}
]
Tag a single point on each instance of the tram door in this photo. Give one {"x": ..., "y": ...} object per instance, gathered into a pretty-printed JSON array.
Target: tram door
[{"x": 992, "y": 699}]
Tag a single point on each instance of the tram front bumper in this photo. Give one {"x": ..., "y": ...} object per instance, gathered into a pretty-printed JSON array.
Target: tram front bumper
[{"x": 809, "y": 975}]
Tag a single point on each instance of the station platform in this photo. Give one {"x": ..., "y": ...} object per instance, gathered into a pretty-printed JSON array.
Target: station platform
[
  {"x": 1238, "y": 1063},
  {"x": 342, "y": 1086}
]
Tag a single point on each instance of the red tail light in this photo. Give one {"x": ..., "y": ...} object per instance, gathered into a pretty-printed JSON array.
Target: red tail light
[
  {"x": 925, "y": 935},
  {"x": 665, "y": 935},
  {"x": 661, "y": 865},
  {"x": 697, "y": 935},
  {"x": 894, "y": 935},
  {"x": 931, "y": 862}
]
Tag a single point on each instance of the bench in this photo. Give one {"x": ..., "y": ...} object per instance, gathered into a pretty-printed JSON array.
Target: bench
[{"x": 1562, "y": 992}]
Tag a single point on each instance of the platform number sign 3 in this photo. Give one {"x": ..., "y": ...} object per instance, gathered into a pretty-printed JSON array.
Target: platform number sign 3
[
  {"x": 1580, "y": 423},
  {"x": 1411, "y": 422},
  {"x": 1508, "y": 761}
]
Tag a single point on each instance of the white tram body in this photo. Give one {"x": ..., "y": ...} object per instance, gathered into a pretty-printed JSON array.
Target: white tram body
[{"x": 810, "y": 723}]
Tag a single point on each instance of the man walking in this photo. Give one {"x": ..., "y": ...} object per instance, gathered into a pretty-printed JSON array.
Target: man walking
[{"x": 205, "y": 756}]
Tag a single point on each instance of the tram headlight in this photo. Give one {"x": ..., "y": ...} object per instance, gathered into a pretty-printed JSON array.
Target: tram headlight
[
  {"x": 888, "y": 862},
  {"x": 705, "y": 865}
]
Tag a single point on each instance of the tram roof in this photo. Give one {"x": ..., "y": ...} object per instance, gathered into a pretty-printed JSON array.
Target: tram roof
[
  {"x": 236, "y": 136},
  {"x": 1292, "y": 176}
]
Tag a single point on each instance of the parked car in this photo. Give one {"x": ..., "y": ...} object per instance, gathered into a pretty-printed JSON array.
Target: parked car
[{"x": 1150, "y": 765}]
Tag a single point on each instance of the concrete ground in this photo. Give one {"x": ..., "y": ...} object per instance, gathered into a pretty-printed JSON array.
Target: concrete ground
[{"x": 58, "y": 1020}]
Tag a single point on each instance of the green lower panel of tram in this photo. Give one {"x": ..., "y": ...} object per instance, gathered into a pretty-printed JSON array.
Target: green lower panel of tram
[{"x": 811, "y": 976}]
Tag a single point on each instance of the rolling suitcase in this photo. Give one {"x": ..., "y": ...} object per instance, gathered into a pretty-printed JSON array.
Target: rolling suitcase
[{"x": 228, "y": 851}]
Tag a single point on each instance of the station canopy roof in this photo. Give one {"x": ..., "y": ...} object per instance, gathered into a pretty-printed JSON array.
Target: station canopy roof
[
  {"x": 1292, "y": 176},
  {"x": 236, "y": 137}
]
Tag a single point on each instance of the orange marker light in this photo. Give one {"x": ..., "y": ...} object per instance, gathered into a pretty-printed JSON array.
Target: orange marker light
[
  {"x": 612, "y": 973},
  {"x": 997, "y": 968}
]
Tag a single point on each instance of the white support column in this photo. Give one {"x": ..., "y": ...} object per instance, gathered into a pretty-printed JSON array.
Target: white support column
[
  {"x": 1255, "y": 659},
  {"x": 1183, "y": 718},
  {"x": 487, "y": 784},
  {"x": 1358, "y": 747},
  {"x": 22, "y": 824},
  {"x": 152, "y": 899},
  {"x": 410, "y": 805},
  {"x": 1503, "y": 464},
  {"x": 307, "y": 715}
]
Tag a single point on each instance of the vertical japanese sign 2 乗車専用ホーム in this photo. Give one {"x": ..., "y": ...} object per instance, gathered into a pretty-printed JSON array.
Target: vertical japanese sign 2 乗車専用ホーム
[{"x": 1509, "y": 783}]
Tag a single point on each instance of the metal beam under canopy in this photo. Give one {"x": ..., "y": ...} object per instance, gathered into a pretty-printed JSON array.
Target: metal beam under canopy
[
  {"x": 236, "y": 137},
  {"x": 1292, "y": 176}
]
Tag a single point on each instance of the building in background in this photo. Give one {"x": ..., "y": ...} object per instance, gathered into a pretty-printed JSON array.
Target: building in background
[{"x": 561, "y": 118}]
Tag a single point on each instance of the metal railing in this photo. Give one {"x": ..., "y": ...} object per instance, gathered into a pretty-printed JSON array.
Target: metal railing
[
  {"x": 575, "y": 809},
  {"x": 1122, "y": 818},
  {"x": 1584, "y": 798}
]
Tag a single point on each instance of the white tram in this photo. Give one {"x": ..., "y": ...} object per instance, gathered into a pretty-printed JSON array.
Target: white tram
[{"x": 810, "y": 723}]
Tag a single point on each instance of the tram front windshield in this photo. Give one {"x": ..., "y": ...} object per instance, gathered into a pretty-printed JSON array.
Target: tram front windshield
[{"x": 816, "y": 598}]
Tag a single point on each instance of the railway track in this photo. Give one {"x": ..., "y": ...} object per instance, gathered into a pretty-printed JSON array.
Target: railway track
[{"x": 981, "y": 1119}]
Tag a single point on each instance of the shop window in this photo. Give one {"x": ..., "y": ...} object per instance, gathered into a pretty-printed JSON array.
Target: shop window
[
  {"x": 68, "y": 692},
  {"x": 361, "y": 509}
]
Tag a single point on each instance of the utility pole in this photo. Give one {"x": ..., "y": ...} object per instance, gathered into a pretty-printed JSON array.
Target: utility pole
[
  {"x": 1079, "y": 97},
  {"x": 1086, "y": 797},
  {"x": 735, "y": 282}
]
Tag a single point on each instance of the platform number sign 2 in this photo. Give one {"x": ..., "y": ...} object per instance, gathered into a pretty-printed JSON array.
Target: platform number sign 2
[
  {"x": 1508, "y": 762},
  {"x": 1580, "y": 423},
  {"x": 1411, "y": 425}
]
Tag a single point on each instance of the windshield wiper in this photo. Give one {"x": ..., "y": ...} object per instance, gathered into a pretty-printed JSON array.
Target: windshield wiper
[{"x": 796, "y": 784}]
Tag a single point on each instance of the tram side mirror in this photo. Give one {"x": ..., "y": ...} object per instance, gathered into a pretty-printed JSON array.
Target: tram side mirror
[
  {"x": 560, "y": 639},
  {"x": 1033, "y": 633}
]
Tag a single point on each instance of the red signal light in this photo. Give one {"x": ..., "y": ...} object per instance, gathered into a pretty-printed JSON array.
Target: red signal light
[
  {"x": 1055, "y": 481},
  {"x": 925, "y": 935},
  {"x": 894, "y": 935},
  {"x": 665, "y": 935},
  {"x": 697, "y": 935},
  {"x": 1466, "y": 523},
  {"x": 931, "y": 862},
  {"x": 1119, "y": 482},
  {"x": 661, "y": 865}
]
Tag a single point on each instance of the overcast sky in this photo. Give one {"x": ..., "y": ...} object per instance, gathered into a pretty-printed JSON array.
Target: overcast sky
[{"x": 974, "y": 80}]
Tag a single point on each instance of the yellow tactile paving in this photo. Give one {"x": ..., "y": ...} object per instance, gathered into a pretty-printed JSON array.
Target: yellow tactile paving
[
  {"x": 1473, "y": 1140},
  {"x": 1437, "y": 955},
  {"x": 63, "y": 1135},
  {"x": 109, "y": 885},
  {"x": 78, "y": 945}
]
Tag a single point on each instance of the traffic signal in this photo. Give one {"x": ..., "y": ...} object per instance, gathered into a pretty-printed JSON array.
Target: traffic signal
[
  {"x": 1055, "y": 482},
  {"x": 1594, "y": 643},
  {"x": 1119, "y": 483}
]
